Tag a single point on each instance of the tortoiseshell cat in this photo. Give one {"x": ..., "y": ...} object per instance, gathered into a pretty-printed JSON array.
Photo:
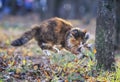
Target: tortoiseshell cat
[{"x": 51, "y": 32}]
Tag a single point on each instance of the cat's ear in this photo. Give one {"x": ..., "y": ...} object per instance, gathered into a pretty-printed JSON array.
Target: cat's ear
[
  {"x": 87, "y": 36},
  {"x": 85, "y": 31}
]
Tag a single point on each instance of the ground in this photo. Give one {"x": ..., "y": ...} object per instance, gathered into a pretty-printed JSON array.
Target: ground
[{"x": 29, "y": 64}]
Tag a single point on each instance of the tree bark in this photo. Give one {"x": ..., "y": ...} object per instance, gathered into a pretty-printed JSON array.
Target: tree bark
[
  {"x": 117, "y": 10},
  {"x": 105, "y": 34}
]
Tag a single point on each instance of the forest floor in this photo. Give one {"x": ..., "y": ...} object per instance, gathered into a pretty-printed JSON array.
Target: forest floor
[{"x": 29, "y": 64}]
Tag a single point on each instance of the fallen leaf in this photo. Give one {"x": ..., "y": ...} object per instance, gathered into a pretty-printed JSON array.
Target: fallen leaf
[
  {"x": 66, "y": 80},
  {"x": 94, "y": 51}
]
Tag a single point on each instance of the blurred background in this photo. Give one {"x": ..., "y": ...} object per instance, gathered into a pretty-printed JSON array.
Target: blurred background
[{"x": 24, "y": 13}]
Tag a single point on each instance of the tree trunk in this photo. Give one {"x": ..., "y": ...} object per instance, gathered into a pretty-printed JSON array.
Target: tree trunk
[
  {"x": 117, "y": 10},
  {"x": 105, "y": 34}
]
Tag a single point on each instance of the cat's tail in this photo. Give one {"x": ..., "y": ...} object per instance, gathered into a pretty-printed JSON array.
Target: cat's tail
[{"x": 27, "y": 36}]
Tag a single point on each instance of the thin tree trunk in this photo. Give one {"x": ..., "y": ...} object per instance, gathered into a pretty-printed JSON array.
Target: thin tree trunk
[{"x": 105, "y": 33}]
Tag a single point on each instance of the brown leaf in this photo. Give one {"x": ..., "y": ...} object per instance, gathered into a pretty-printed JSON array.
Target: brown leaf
[
  {"x": 66, "y": 80},
  {"x": 10, "y": 51},
  {"x": 38, "y": 80},
  {"x": 35, "y": 67},
  {"x": 18, "y": 70},
  {"x": 91, "y": 79},
  {"x": 16, "y": 75}
]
